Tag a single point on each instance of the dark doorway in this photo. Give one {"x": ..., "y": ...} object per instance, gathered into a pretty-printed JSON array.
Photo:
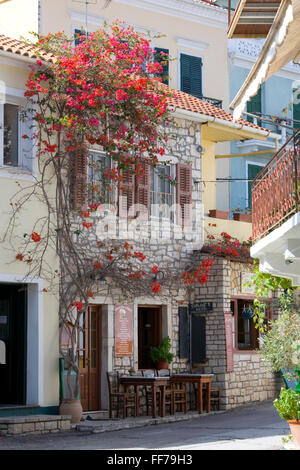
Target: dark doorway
[
  {"x": 89, "y": 359},
  {"x": 149, "y": 334},
  {"x": 13, "y": 343}
]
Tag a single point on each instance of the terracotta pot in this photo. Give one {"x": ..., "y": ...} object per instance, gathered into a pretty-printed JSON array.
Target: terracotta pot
[
  {"x": 162, "y": 365},
  {"x": 71, "y": 408},
  {"x": 242, "y": 217},
  {"x": 218, "y": 214},
  {"x": 295, "y": 431}
]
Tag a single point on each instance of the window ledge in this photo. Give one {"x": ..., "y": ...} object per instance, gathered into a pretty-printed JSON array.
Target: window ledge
[
  {"x": 16, "y": 173},
  {"x": 245, "y": 351}
]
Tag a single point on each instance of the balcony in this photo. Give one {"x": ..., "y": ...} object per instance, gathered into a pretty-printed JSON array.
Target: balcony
[
  {"x": 213, "y": 101},
  {"x": 276, "y": 190}
]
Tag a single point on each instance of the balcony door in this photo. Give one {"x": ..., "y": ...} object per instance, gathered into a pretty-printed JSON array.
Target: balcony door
[
  {"x": 90, "y": 359},
  {"x": 149, "y": 333}
]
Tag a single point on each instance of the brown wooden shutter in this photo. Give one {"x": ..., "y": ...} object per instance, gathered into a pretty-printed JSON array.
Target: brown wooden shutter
[
  {"x": 184, "y": 194},
  {"x": 142, "y": 196},
  {"x": 127, "y": 193},
  {"x": 80, "y": 181}
]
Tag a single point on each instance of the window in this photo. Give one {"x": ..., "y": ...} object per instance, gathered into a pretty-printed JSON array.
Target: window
[
  {"x": 254, "y": 106},
  {"x": 97, "y": 182},
  {"x": 15, "y": 151},
  {"x": 162, "y": 195},
  {"x": 191, "y": 75},
  {"x": 77, "y": 33},
  {"x": 296, "y": 109},
  {"x": 245, "y": 334},
  {"x": 253, "y": 171},
  {"x": 163, "y": 60},
  {"x": 11, "y": 135}
]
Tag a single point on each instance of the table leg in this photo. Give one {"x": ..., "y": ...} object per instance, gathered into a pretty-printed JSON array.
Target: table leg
[
  {"x": 200, "y": 401},
  {"x": 163, "y": 401},
  {"x": 208, "y": 390},
  {"x": 136, "y": 389},
  {"x": 154, "y": 401}
]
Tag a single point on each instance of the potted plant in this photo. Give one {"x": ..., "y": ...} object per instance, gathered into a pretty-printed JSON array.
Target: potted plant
[
  {"x": 242, "y": 215},
  {"x": 161, "y": 354},
  {"x": 288, "y": 407}
]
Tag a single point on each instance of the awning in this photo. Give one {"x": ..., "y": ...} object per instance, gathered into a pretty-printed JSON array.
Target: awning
[
  {"x": 282, "y": 46},
  {"x": 253, "y": 18}
]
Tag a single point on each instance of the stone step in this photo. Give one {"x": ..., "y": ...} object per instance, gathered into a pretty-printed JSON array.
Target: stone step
[
  {"x": 34, "y": 424},
  {"x": 95, "y": 415}
]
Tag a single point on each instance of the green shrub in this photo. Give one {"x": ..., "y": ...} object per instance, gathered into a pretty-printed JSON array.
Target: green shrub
[
  {"x": 162, "y": 352},
  {"x": 288, "y": 404}
]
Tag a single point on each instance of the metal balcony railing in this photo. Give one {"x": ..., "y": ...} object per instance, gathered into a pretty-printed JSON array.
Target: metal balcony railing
[
  {"x": 213, "y": 101},
  {"x": 276, "y": 189}
]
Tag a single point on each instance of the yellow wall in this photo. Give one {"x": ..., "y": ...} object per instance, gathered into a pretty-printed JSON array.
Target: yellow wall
[
  {"x": 12, "y": 182},
  {"x": 18, "y": 18}
]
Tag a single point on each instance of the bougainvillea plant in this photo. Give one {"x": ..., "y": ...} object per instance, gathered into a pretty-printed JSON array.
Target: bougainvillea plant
[{"x": 103, "y": 94}]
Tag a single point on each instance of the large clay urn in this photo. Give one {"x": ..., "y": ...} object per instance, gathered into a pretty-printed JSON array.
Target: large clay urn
[{"x": 71, "y": 407}]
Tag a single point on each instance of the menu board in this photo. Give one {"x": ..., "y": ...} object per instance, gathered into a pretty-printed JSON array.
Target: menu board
[
  {"x": 123, "y": 330},
  {"x": 229, "y": 342}
]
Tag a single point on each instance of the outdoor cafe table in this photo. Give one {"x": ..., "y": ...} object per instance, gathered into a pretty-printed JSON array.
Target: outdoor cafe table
[
  {"x": 155, "y": 383},
  {"x": 199, "y": 379}
]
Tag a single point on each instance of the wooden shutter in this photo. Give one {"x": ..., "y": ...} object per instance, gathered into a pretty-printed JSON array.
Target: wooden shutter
[
  {"x": 127, "y": 193},
  {"x": 142, "y": 196},
  {"x": 191, "y": 75},
  {"x": 198, "y": 339},
  {"x": 184, "y": 333},
  {"x": 184, "y": 194},
  {"x": 165, "y": 73},
  {"x": 296, "y": 109},
  {"x": 80, "y": 180},
  {"x": 254, "y": 106},
  {"x": 253, "y": 171}
]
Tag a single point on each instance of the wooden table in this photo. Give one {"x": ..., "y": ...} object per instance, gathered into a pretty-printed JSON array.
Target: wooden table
[
  {"x": 199, "y": 379},
  {"x": 155, "y": 383}
]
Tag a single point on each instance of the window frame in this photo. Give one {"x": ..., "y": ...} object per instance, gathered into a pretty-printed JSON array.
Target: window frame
[
  {"x": 20, "y": 164},
  {"x": 246, "y": 298},
  {"x": 152, "y": 215}
]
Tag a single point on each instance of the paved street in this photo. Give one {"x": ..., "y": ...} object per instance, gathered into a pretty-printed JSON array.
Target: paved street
[{"x": 253, "y": 427}]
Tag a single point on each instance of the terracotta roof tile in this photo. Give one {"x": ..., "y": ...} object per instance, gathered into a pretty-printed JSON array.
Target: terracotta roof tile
[
  {"x": 19, "y": 47},
  {"x": 188, "y": 102}
]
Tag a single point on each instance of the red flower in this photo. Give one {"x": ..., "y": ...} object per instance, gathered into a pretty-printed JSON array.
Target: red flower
[
  {"x": 97, "y": 265},
  {"x": 155, "y": 269},
  {"x": 156, "y": 287},
  {"x": 19, "y": 257},
  {"x": 90, "y": 293},
  {"x": 77, "y": 304},
  {"x": 35, "y": 237}
]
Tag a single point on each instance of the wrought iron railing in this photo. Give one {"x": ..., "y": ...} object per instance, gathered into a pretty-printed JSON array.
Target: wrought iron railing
[
  {"x": 213, "y": 101},
  {"x": 276, "y": 189}
]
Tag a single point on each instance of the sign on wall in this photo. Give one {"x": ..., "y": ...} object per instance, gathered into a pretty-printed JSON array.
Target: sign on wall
[
  {"x": 123, "y": 330},
  {"x": 229, "y": 342}
]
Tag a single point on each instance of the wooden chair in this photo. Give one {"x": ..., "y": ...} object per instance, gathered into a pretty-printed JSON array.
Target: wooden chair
[
  {"x": 169, "y": 397},
  {"x": 119, "y": 399},
  {"x": 149, "y": 404},
  {"x": 215, "y": 399}
]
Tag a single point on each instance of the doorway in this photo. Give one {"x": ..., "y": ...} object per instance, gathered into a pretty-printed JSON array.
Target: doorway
[
  {"x": 149, "y": 333},
  {"x": 13, "y": 343},
  {"x": 89, "y": 355}
]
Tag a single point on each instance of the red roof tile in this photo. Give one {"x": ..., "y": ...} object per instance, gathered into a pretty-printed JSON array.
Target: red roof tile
[{"x": 19, "y": 47}]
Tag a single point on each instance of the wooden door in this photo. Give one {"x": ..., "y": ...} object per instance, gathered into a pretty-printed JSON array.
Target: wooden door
[
  {"x": 89, "y": 359},
  {"x": 149, "y": 334}
]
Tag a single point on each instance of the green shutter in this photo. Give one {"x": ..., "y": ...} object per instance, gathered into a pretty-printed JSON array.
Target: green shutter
[
  {"x": 161, "y": 58},
  {"x": 191, "y": 75},
  {"x": 296, "y": 109},
  {"x": 253, "y": 171},
  {"x": 254, "y": 106}
]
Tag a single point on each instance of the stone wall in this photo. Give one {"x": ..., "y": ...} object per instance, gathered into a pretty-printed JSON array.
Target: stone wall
[{"x": 250, "y": 380}]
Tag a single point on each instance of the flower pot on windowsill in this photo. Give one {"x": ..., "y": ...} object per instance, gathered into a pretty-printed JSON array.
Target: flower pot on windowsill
[
  {"x": 242, "y": 217},
  {"x": 218, "y": 214}
]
